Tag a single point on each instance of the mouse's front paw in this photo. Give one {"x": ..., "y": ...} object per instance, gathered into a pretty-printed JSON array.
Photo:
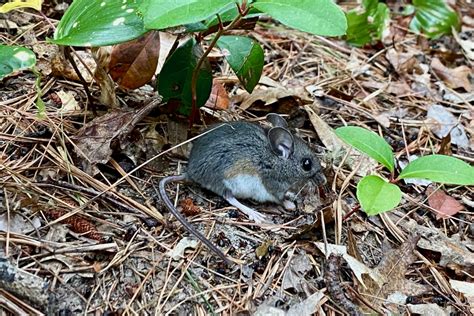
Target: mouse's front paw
[{"x": 289, "y": 205}]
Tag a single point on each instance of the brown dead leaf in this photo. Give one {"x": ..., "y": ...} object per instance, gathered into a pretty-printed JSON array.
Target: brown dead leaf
[
  {"x": 94, "y": 139},
  {"x": 189, "y": 208},
  {"x": 270, "y": 96},
  {"x": 454, "y": 78},
  {"x": 107, "y": 86},
  {"x": 133, "y": 64},
  {"x": 393, "y": 267},
  {"x": 356, "y": 160},
  {"x": 218, "y": 100},
  {"x": 453, "y": 249},
  {"x": 445, "y": 205},
  {"x": 60, "y": 67},
  {"x": 395, "y": 88},
  {"x": 403, "y": 62}
]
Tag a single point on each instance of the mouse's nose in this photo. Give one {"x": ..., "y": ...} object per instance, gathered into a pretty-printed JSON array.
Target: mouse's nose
[{"x": 319, "y": 179}]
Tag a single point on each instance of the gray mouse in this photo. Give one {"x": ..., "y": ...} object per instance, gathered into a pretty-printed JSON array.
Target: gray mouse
[{"x": 243, "y": 160}]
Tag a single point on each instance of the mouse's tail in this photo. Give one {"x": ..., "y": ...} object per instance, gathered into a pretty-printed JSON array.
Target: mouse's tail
[{"x": 181, "y": 218}]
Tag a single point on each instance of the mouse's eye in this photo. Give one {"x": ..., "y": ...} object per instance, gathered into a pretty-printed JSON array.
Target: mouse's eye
[{"x": 307, "y": 164}]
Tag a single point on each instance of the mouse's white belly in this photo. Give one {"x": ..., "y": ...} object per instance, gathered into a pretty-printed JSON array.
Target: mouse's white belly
[{"x": 249, "y": 187}]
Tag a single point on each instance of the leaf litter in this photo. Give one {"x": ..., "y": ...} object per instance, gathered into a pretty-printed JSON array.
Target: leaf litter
[{"x": 93, "y": 230}]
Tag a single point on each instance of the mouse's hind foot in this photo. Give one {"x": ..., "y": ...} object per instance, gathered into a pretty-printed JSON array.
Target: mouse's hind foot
[{"x": 252, "y": 214}]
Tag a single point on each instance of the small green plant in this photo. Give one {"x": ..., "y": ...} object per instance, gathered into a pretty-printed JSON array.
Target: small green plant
[
  {"x": 15, "y": 58},
  {"x": 377, "y": 195},
  {"x": 186, "y": 76},
  {"x": 368, "y": 22}
]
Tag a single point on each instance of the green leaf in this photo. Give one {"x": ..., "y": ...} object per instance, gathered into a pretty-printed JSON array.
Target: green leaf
[
  {"x": 99, "y": 23},
  {"x": 368, "y": 142},
  {"x": 245, "y": 57},
  {"x": 161, "y": 14},
  {"x": 229, "y": 14},
  {"x": 15, "y": 58},
  {"x": 440, "y": 168},
  {"x": 434, "y": 18},
  {"x": 376, "y": 195},
  {"x": 174, "y": 82},
  {"x": 320, "y": 17},
  {"x": 366, "y": 24}
]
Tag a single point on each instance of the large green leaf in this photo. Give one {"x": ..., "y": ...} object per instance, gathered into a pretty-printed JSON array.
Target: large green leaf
[
  {"x": 440, "y": 168},
  {"x": 368, "y": 142},
  {"x": 161, "y": 14},
  {"x": 99, "y": 23},
  {"x": 245, "y": 56},
  {"x": 175, "y": 79},
  {"x": 320, "y": 17},
  {"x": 366, "y": 24},
  {"x": 434, "y": 18},
  {"x": 15, "y": 58},
  {"x": 376, "y": 195}
]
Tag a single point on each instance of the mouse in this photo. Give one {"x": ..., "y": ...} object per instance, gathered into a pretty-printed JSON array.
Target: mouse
[{"x": 246, "y": 161}]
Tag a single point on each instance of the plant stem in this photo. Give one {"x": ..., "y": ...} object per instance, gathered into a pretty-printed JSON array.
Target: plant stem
[{"x": 222, "y": 29}]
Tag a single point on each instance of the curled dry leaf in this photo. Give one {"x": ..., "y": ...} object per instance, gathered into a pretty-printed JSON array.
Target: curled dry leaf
[
  {"x": 445, "y": 205},
  {"x": 60, "y": 67},
  {"x": 133, "y": 64},
  {"x": 454, "y": 78},
  {"x": 107, "y": 87}
]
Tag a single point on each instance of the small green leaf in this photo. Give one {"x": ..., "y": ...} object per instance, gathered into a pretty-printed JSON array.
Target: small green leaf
[
  {"x": 99, "y": 23},
  {"x": 15, "y": 58},
  {"x": 434, "y": 18},
  {"x": 368, "y": 142},
  {"x": 376, "y": 195},
  {"x": 161, "y": 14},
  {"x": 176, "y": 75},
  {"x": 320, "y": 17},
  {"x": 440, "y": 168},
  {"x": 245, "y": 56},
  {"x": 366, "y": 24}
]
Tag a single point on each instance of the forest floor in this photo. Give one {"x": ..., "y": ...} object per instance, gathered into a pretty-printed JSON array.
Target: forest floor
[{"x": 82, "y": 225}]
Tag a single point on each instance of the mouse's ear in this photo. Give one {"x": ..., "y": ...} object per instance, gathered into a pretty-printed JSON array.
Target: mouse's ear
[
  {"x": 276, "y": 120},
  {"x": 281, "y": 142}
]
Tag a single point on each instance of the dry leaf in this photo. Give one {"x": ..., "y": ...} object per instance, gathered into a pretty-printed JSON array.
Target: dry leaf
[
  {"x": 453, "y": 250},
  {"x": 443, "y": 123},
  {"x": 269, "y": 96},
  {"x": 454, "y": 78},
  {"x": 466, "y": 42},
  {"x": 69, "y": 103},
  {"x": 132, "y": 64},
  {"x": 364, "y": 164},
  {"x": 395, "y": 88},
  {"x": 218, "y": 100},
  {"x": 178, "y": 251},
  {"x": 107, "y": 87},
  {"x": 93, "y": 140},
  {"x": 446, "y": 205},
  {"x": 403, "y": 62},
  {"x": 60, "y": 67}
]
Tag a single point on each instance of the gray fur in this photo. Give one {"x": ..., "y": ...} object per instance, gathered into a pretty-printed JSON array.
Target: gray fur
[{"x": 216, "y": 152}]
